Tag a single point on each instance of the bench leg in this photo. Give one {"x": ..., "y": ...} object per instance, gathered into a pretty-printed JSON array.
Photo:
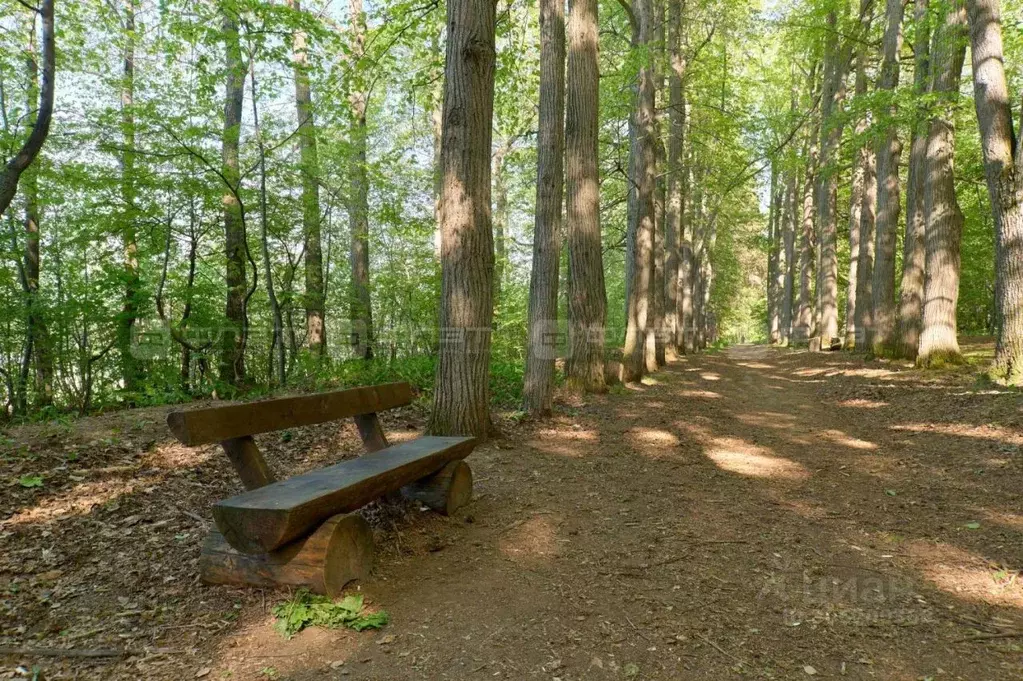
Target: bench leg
[
  {"x": 445, "y": 491},
  {"x": 339, "y": 551}
]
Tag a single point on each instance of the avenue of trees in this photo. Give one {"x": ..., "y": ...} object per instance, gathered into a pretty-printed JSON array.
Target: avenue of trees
[
  {"x": 489, "y": 199},
  {"x": 931, "y": 185}
]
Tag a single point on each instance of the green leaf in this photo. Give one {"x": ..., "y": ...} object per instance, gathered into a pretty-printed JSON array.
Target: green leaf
[
  {"x": 891, "y": 492},
  {"x": 31, "y": 481},
  {"x": 973, "y": 526}
]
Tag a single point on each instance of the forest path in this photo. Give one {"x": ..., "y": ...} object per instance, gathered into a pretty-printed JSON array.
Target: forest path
[{"x": 755, "y": 513}]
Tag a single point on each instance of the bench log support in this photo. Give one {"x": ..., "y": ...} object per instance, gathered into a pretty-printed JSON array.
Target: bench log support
[
  {"x": 338, "y": 552},
  {"x": 445, "y": 491}
]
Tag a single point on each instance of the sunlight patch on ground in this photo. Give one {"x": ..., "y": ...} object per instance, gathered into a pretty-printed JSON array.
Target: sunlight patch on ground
[
  {"x": 754, "y": 365},
  {"x": 984, "y": 432},
  {"x": 710, "y": 376},
  {"x": 654, "y": 436},
  {"x": 861, "y": 372},
  {"x": 1004, "y": 518},
  {"x": 739, "y": 456},
  {"x": 79, "y": 501},
  {"x": 171, "y": 455},
  {"x": 840, "y": 438},
  {"x": 532, "y": 538},
  {"x": 966, "y": 575},
  {"x": 767, "y": 419},
  {"x": 705, "y": 394},
  {"x": 862, "y": 404}
]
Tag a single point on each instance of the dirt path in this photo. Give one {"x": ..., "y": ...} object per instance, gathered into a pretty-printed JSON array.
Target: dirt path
[{"x": 753, "y": 514}]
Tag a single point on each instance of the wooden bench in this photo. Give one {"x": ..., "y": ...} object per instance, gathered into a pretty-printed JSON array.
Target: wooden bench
[{"x": 302, "y": 531}]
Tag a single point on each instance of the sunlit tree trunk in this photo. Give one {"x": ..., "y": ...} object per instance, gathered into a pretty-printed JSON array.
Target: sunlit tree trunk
[
  {"x": 541, "y": 352},
  {"x": 938, "y": 338},
  {"x": 905, "y": 340},
  {"x": 788, "y": 256},
  {"x": 879, "y": 252},
  {"x": 500, "y": 181},
  {"x": 858, "y": 200},
  {"x": 804, "y": 325},
  {"x": 638, "y": 352},
  {"x": 360, "y": 301},
  {"x": 316, "y": 332},
  {"x": 587, "y": 308},
  {"x": 660, "y": 191},
  {"x": 232, "y": 361},
  {"x": 461, "y": 399},
  {"x": 675, "y": 206},
  {"x": 773, "y": 299},
  {"x": 1003, "y": 166}
]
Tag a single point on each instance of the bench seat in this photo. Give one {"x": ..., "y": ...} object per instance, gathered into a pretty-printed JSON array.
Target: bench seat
[{"x": 269, "y": 517}]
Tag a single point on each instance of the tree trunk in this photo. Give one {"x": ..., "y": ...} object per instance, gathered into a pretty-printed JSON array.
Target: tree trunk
[
  {"x": 542, "y": 350},
  {"x": 1003, "y": 167},
  {"x": 789, "y": 248},
  {"x": 857, "y": 203},
  {"x": 773, "y": 313},
  {"x": 38, "y": 336},
  {"x": 316, "y": 336},
  {"x": 461, "y": 399},
  {"x": 804, "y": 326},
  {"x": 660, "y": 190},
  {"x": 587, "y": 308},
  {"x": 939, "y": 344},
  {"x": 638, "y": 333},
  {"x": 130, "y": 367},
  {"x": 19, "y": 162},
  {"x": 673, "y": 236},
  {"x": 877, "y": 294},
  {"x": 277, "y": 343},
  {"x": 232, "y": 361},
  {"x": 361, "y": 305},
  {"x": 906, "y": 341}
]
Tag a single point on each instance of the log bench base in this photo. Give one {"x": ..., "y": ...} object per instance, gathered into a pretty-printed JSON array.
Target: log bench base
[{"x": 338, "y": 552}]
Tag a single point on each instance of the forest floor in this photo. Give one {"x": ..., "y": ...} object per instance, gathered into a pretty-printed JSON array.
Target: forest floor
[{"x": 755, "y": 513}]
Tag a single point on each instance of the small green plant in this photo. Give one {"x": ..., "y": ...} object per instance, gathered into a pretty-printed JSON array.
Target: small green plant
[
  {"x": 29, "y": 481},
  {"x": 306, "y": 609}
]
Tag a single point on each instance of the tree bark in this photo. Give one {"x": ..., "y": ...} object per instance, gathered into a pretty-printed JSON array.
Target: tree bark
[
  {"x": 360, "y": 302},
  {"x": 657, "y": 337},
  {"x": 788, "y": 255},
  {"x": 130, "y": 367},
  {"x": 858, "y": 200},
  {"x": 804, "y": 326},
  {"x": 461, "y": 399},
  {"x": 637, "y": 354},
  {"x": 315, "y": 322},
  {"x": 232, "y": 361},
  {"x": 38, "y": 335},
  {"x": 675, "y": 206},
  {"x": 587, "y": 307},
  {"x": 906, "y": 340},
  {"x": 877, "y": 294},
  {"x": 1003, "y": 168},
  {"x": 939, "y": 344},
  {"x": 773, "y": 251},
  {"x": 541, "y": 352},
  {"x": 18, "y": 163}
]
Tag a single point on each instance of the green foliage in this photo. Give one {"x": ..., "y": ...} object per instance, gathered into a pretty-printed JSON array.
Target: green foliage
[
  {"x": 306, "y": 609},
  {"x": 29, "y": 481}
]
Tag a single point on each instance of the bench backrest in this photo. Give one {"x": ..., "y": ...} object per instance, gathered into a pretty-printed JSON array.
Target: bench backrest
[
  {"x": 217, "y": 424},
  {"x": 234, "y": 425}
]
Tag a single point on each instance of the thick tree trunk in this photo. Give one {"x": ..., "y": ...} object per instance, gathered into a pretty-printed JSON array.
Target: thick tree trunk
[
  {"x": 587, "y": 308},
  {"x": 781, "y": 265},
  {"x": 637, "y": 352},
  {"x": 19, "y": 162},
  {"x": 938, "y": 338},
  {"x": 232, "y": 360},
  {"x": 906, "y": 340},
  {"x": 316, "y": 335},
  {"x": 461, "y": 399},
  {"x": 858, "y": 205},
  {"x": 673, "y": 231},
  {"x": 538, "y": 385},
  {"x": 1003, "y": 166},
  {"x": 832, "y": 96},
  {"x": 804, "y": 325},
  {"x": 877, "y": 293},
  {"x": 658, "y": 303},
  {"x": 130, "y": 367},
  {"x": 360, "y": 302}
]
